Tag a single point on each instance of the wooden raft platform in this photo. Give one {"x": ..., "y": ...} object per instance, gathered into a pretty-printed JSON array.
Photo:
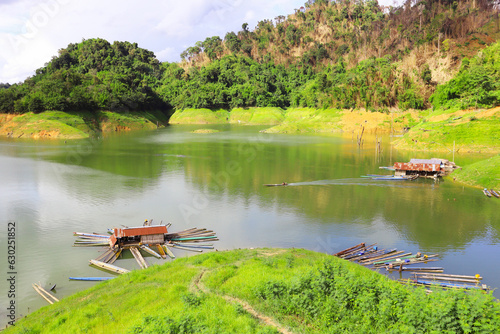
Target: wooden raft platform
[{"x": 144, "y": 240}]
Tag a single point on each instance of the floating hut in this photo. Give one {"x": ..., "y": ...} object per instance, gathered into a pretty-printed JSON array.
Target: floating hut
[
  {"x": 427, "y": 168},
  {"x": 136, "y": 236},
  {"x": 144, "y": 238}
]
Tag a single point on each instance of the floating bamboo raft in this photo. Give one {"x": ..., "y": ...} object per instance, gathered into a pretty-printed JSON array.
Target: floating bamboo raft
[
  {"x": 44, "y": 293},
  {"x": 151, "y": 239},
  {"x": 399, "y": 260}
]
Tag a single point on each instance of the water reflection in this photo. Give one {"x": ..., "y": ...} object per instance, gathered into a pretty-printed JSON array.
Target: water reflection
[{"x": 216, "y": 180}]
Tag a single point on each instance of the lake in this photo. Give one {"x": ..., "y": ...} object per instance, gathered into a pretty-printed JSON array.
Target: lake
[{"x": 51, "y": 189}]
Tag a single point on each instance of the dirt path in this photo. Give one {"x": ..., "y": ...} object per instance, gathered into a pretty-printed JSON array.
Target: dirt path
[{"x": 265, "y": 319}]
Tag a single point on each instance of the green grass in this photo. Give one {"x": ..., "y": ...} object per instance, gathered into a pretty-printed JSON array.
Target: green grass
[
  {"x": 467, "y": 133},
  {"x": 307, "y": 120},
  {"x": 256, "y": 116},
  {"x": 199, "y": 116},
  {"x": 75, "y": 125},
  {"x": 69, "y": 126},
  {"x": 112, "y": 121},
  {"x": 304, "y": 291},
  {"x": 484, "y": 174}
]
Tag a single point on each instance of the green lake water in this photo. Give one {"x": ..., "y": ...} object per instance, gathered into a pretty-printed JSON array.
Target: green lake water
[{"x": 51, "y": 189}]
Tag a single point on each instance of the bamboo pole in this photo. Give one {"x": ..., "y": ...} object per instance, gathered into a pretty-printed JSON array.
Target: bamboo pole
[
  {"x": 150, "y": 251},
  {"x": 169, "y": 252},
  {"x": 41, "y": 294},
  {"x": 185, "y": 248},
  {"x": 138, "y": 257},
  {"x": 109, "y": 267},
  {"x": 349, "y": 249},
  {"x": 161, "y": 251},
  {"x": 115, "y": 256},
  {"x": 44, "y": 293}
]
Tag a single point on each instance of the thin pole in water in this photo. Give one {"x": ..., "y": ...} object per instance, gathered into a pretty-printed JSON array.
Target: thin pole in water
[{"x": 453, "y": 151}]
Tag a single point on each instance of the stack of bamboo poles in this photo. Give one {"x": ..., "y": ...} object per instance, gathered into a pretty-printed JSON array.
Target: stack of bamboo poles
[
  {"x": 194, "y": 240},
  {"x": 90, "y": 239},
  {"x": 391, "y": 259},
  {"x": 448, "y": 281},
  {"x": 45, "y": 294}
]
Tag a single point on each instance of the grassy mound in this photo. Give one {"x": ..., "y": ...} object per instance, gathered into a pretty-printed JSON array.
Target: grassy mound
[
  {"x": 205, "y": 131},
  {"x": 49, "y": 124},
  {"x": 470, "y": 130},
  {"x": 76, "y": 125},
  {"x": 307, "y": 120},
  {"x": 256, "y": 115},
  {"x": 199, "y": 116},
  {"x": 262, "y": 291},
  {"x": 111, "y": 121},
  {"x": 484, "y": 174}
]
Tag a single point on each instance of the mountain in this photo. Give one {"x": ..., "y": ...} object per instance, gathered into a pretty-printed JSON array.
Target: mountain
[{"x": 328, "y": 54}]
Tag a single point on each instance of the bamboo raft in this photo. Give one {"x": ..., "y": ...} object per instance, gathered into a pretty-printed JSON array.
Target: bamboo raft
[
  {"x": 44, "y": 293},
  {"x": 399, "y": 260},
  {"x": 151, "y": 239}
]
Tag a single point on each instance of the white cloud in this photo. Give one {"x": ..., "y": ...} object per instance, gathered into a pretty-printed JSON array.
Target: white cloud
[{"x": 32, "y": 31}]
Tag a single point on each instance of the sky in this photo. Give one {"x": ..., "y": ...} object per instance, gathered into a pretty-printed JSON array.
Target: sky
[{"x": 32, "y": 31}]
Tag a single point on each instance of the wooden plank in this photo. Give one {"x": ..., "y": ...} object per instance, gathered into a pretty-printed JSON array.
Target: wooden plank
[
  {"x": 364, "y": 248},
  {"x": 138, "y": 257},
  {"x": 115, "y": 256},
  {"x": 349, "y": 249},
  {"x": 387, "y": 258},
  {"x": 161, "y": 251},
  {"x": 450, "y": 279},
  {"x": 193, "y": 246},
  {"x": 104, "y": 254},
  {"x": 477, "y": 277},
  {"x": 150, "y": 251},
  {"x": 186, "y": 248},
  {"x": 109, "y": 267},
  {"x": 91, "y": 235},
  {"x": 42, "y": 292},
  {"x": 383, "y": 256},
  {"x": 169, "y": 252}
]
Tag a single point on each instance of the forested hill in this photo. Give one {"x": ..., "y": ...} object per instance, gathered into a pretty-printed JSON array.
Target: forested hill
[
  {"x": 328, "y": 54},
  {"x": 344, "y": 54},
  {"x": 91, "y": 75}
]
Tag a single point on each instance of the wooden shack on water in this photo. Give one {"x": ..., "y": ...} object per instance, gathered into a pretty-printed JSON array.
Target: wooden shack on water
[
  {"x": 428, "y": 168},
  {"x": 136, "y": 236}
]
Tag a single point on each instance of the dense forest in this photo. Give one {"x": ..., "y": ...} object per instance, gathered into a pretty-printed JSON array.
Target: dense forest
[{"x": 328, "y": 54}]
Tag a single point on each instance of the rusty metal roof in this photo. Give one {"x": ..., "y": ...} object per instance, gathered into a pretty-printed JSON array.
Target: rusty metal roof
[
  {"x": 420, "y": 167},
  {"x": 138, "y": 231}
]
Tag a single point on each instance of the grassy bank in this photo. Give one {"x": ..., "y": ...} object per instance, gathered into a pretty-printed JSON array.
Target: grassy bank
[
  {"x": 262, "y": 291},
  {"x": 199, "y": 116},
  {"x": 300, "y": 120},
  {"x": 75, "y": 125},
  {"x": 468, "y": 130},
  {"x": 483, "y": 174}
]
